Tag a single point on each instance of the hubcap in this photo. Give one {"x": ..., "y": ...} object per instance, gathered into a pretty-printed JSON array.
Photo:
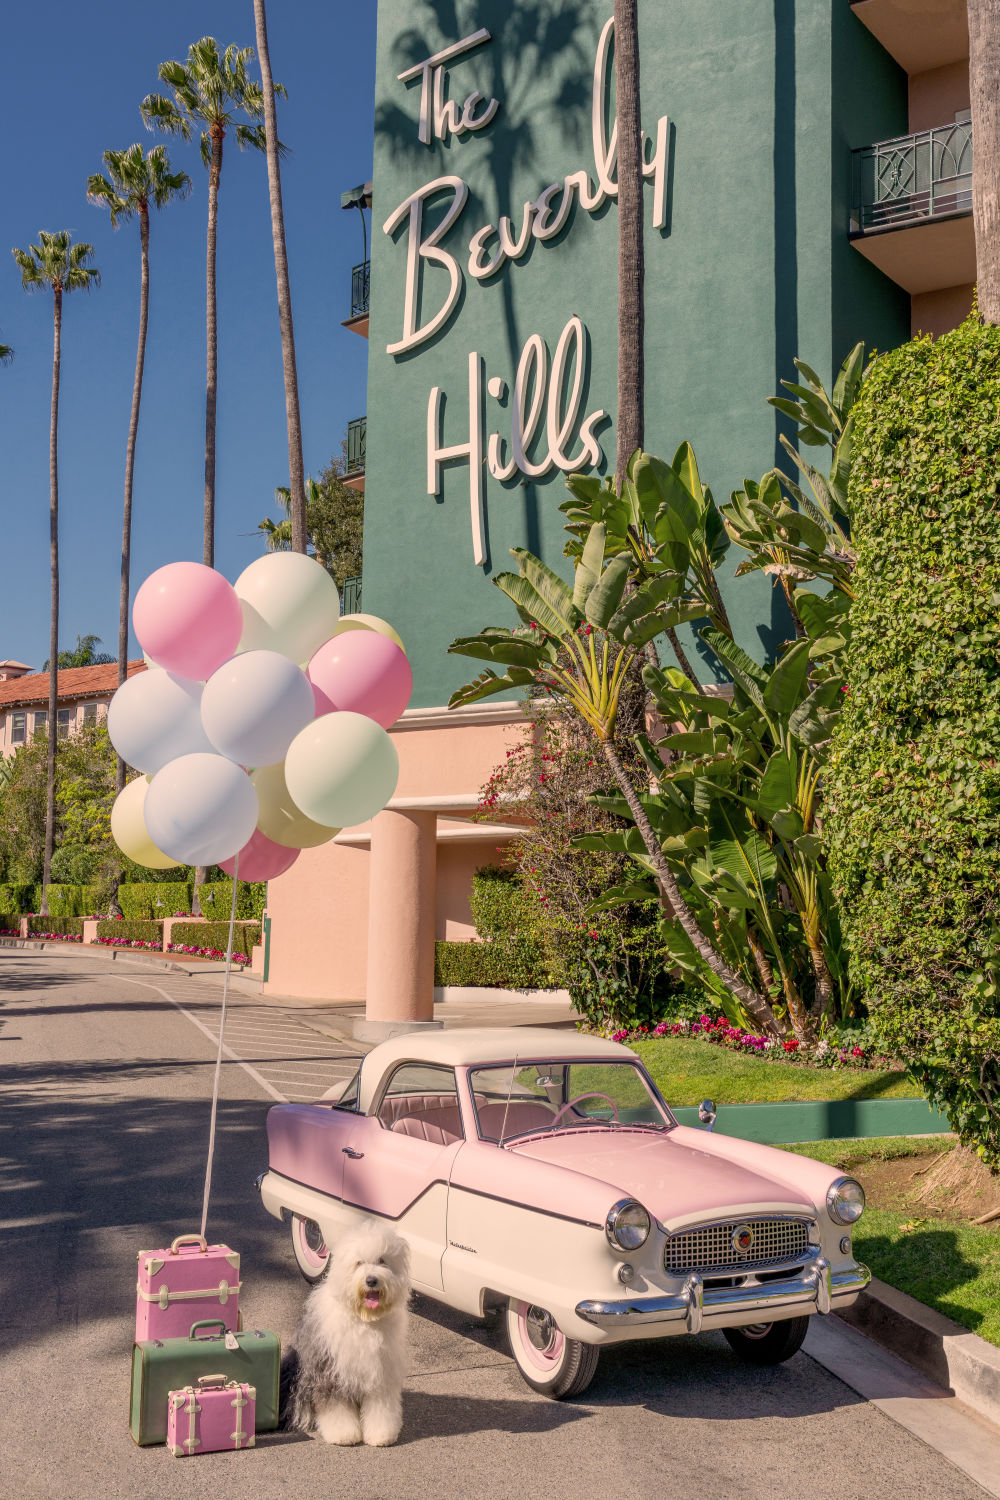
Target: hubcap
[
  {"x": 312, "y": 1243},
  {"x": 540, "y": 1329},
  {"x": 757, "y": 1330}
]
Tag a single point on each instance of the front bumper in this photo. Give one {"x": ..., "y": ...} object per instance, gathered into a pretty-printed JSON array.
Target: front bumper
[{"x": 816, "y": 1289}]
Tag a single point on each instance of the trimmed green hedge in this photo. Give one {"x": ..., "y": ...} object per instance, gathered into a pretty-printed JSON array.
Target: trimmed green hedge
[
  {"x": 138, "y": 899},
  {"x": 216, "y": 935},
  {"x": 20, "y": 897},
  {"x": 217, "y": 897},
  {"x": 74, "y": 900},
  {"x": 71, "y": 925},
  {"x": 477, "y": 963},
  {"x": 150, "y": 932},
  {"x": 913, "y": 790},
  {"x": 503, "y": 917},
  {"x": 9, "y": 921}
]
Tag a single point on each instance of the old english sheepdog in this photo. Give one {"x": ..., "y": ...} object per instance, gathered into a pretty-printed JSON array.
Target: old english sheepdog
[{"x": 351, "y": 1342}]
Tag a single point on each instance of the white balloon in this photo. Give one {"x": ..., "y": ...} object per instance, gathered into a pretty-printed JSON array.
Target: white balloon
[
  {"x": 254, "y": 706},
  {"x": 200, "y": 809},
  {"x": 341, "y": 769},
  {"x": 290, "y": 604},
  {"x": 154, "y": 717}
]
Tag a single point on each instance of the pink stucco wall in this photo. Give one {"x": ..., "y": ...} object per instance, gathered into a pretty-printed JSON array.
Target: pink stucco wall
[{"x": 937, "y": 95}]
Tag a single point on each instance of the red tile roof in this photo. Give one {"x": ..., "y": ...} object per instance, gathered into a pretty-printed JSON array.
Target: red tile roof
[{"x": 72, "y": 683}]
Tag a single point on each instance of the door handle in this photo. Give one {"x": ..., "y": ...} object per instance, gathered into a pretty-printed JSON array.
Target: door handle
[{"x": 350, "y": 1151}]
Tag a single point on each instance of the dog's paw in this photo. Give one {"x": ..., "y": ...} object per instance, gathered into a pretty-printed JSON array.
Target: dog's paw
[
  {"x": 339, "y": 1424},
  {"x": 378, "y": 1435},
  {"x": 381, "y": 1421}
]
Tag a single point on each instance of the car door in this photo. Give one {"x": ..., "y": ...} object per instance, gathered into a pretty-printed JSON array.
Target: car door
[{"x": 398, "y": 1160}]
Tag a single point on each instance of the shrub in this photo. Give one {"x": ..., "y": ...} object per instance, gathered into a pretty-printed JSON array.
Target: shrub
[
  {"x": 137, "y": 931},
  {"x": 56, "y": 926},
  {"x": 20, "y": 897},
  {"x": 914, "y": 783},
  {"x": 489, "y": 964},
  {"x": 138, "y": 899},
  {"x": 501, "y": 910},
  {"x": 217, "y": 896},
  {"x": 74, "y": 900},
  {"x": 215, "y": 936},
  {"x": 9, "y": 924}
]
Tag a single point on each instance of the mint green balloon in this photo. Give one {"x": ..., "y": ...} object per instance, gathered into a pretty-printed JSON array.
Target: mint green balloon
[{"x": 341, "y": 769}]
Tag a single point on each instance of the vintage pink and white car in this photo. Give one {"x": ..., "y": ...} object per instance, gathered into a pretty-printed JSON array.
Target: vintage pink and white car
[{"x": 539, "y": 1173}]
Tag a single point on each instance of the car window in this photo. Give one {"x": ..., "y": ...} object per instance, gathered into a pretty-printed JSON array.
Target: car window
[
  {"x": 543, "y": 1096},
  {"x": 421, "y": 1100},
  {"x": 349, "y": 1098}
]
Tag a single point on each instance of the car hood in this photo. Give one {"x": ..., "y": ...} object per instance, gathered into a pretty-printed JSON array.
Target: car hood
[{"x": 675, "y": 1182}]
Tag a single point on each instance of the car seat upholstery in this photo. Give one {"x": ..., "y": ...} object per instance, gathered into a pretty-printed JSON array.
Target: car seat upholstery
[
  {"x": 395, "y": 1106},
  {"x": 522, "y": 1115},
  {"x": 441, "y": 1126}
]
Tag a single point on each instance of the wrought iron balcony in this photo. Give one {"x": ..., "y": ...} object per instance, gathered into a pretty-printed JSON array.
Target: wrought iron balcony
[
  {"x": 913, "y": 178},
  {"x": 359, "y": 288},
  {"x": 351, "y": 596},
  {"x": 356, "y": 432}
]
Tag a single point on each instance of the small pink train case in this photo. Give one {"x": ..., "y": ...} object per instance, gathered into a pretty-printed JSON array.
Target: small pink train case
[
  {"x": 215, "y": 1416},
  {"x": 191, "y": 1280}
]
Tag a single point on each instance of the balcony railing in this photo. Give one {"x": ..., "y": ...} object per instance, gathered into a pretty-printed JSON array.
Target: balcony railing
[
  {"x": 351, "y": 596},
  {"x": 359, "y": 288},
  {"x": 913, "y": 178},
  {"x": 356, "y": 432}
]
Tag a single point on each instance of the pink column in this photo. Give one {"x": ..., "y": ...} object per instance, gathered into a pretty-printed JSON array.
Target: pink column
[{"x": 401, "y": 917}]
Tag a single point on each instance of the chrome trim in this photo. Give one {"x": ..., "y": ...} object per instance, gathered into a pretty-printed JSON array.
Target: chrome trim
[
  {"x": 707, "y": 1113},
  {"x": 831, "y": 1194},
  {"x": 820, "y": 1289},
  {"x": 612, "y": 1220},
  {"x": 748, "y": 1265},
  {"x": 259, "y": 1179}
]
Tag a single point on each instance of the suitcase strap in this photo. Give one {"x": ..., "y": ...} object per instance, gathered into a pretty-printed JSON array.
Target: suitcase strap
[{"x": 164, "y": 1296}]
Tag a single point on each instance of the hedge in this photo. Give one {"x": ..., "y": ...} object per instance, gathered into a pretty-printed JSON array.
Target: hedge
[
  {"x": 20, "y": 897},
  {"x": 217, "y": 898},
  {"x": 477, "y": 963},
  {"x": 138, "y": 898},
  {"x": 150, "y": 932},
  {"x": 9, "y": 922},
  {"x": 216, "y": 935},
  {"x": 67, "y": 926},
  {"x": 74, "y": 900},
  {"x": 913, "y": 790},
  {"x": 503, "y": 917}
]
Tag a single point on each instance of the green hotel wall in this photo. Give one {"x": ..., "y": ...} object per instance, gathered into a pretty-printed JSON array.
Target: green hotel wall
[{"x": 766, "y": 99}]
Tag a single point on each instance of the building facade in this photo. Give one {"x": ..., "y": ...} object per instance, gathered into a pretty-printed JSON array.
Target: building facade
[
  {"x": 82, "y": 698},
  {"x": 807, "y": 185}
]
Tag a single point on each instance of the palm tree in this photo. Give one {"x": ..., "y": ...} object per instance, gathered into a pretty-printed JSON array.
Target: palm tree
[
  {"x": 984, "y": 85},
  {"x": 630, "y": 246},
  {"x": 296, "y": 471},
  {"x": 6, "y": 354},
  {"x": 56, "y": 263},
  {"x": 208, "y": 90},
  {"x": 133, "y": 183}
]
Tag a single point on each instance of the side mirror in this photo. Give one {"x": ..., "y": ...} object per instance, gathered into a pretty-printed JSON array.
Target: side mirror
[{"x": 707, "y": 1113}]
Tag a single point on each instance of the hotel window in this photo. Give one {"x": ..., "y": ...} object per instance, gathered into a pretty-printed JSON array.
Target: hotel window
[
  {"x": 63, "y": 716},
  {"x": 18, "y": 727},
  {"x": 89, "y": 713},
  {"x": 41, "y": 721}
]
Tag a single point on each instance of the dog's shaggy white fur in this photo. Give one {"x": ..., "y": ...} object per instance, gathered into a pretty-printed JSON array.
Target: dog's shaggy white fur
[{"x": 351, "y": 1343}]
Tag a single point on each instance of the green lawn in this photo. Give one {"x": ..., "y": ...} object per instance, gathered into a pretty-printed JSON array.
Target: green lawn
[
  {"x": 952, "y": 1267},
  {"x": 687, "y": 1071}
]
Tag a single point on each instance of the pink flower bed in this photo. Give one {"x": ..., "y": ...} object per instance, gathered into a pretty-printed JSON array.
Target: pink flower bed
[
  {"x": 238, "y": 958},
  {"x": 123, "y": 942},
  {"x": 57, "y": 937},
  {"x": 721, "y": 1033}
]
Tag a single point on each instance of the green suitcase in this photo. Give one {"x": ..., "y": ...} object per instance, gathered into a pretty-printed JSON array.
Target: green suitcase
[{"x": 163, "y": 1365}]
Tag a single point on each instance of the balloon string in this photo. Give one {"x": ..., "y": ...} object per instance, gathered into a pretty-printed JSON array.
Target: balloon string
[{"x": 218, "y": 1055}]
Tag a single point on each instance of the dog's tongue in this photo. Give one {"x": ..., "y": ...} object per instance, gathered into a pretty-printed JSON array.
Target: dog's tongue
[{"x": 371, "y": 1300}]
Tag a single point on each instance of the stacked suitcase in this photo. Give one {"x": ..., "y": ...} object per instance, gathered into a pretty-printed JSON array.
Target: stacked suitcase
[{"x": 200, "y": 1382}]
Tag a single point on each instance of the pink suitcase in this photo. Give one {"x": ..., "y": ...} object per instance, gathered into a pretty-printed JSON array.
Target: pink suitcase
[
  {"x": 182, "y": 1285},
  {"x": 214, "y": 1416}
]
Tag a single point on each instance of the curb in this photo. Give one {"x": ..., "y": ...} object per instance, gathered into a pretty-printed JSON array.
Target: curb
[{"x": 960, "y": 1362}]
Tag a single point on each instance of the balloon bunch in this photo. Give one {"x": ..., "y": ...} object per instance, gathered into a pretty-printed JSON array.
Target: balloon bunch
[{"x": 260, "y": 725}]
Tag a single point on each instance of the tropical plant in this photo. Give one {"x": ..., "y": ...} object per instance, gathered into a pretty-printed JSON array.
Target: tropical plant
[
  {"x": 54, "y": 264},
  {"x": 6, "y": 354},
  {"x": 208, "y": 91},
  {"x": 133, "y": 184},
  {"x": 984, "y": 98},
  {"x": 83, "y": 654},
  {"x": 297, "y": 497},
  {"x": 334, "y": 522}
]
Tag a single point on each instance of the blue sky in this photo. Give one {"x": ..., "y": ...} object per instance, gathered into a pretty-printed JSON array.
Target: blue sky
[{"x": 70, "y": 93}]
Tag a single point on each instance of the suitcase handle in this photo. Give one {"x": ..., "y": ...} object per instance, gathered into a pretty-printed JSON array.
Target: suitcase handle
[
  {"x": 189, "y": 1239},
  {"x": 211, "y": 1382},
  {"x": 218, "y": 1323}
]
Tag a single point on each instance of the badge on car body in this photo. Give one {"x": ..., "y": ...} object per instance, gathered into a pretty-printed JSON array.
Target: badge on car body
[{"x": 743, "y": 1239}]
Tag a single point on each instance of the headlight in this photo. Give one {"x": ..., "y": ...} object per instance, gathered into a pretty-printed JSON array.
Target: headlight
[
  {"x": 627, "y": 1225},
  {"x": 845, "y": 1200}
]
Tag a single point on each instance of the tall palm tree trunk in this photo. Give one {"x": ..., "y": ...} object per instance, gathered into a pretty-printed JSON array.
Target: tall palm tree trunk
[
  {"x": 50, "y": 757},
  {"x": 984, "y": 86},
  {"x": 630, "y": 247},
  {"x": 133, "y": 429},
  {"x": 211, "y": 346},
  {"x": 296, "y": 470}
]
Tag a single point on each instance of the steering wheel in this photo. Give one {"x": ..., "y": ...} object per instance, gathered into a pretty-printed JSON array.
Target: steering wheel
[{"x": 591, "y": 1094}]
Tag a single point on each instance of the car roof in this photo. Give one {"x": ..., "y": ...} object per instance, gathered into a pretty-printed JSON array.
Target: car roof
[{"x": 480, "y": 1045}]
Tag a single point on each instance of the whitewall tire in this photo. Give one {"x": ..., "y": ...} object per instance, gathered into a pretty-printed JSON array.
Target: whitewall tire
[{"x": 548, "y": 1361}]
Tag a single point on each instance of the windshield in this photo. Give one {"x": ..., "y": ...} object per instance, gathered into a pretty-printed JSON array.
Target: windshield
[{"x": 546, "y": 1096}]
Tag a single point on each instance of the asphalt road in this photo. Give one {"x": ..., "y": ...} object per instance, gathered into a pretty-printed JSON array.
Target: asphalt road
[{"x": 105, "y": 1079}]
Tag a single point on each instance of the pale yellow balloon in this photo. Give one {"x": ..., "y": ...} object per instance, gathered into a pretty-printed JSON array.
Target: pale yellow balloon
[
  {"x": 279, "y": 818},
  {"x": 128, "y": 828},
  {"x": 368, "y": 622}
]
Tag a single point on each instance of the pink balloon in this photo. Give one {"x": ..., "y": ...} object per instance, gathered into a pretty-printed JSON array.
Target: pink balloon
[
  {"x": 364, "y": 673},
  {"x": 188, "y": 619},
  {"x": 261, "y": 859}
]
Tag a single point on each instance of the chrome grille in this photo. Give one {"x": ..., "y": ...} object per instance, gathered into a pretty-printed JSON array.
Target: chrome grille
[{"x": 713, "y": 1246}]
